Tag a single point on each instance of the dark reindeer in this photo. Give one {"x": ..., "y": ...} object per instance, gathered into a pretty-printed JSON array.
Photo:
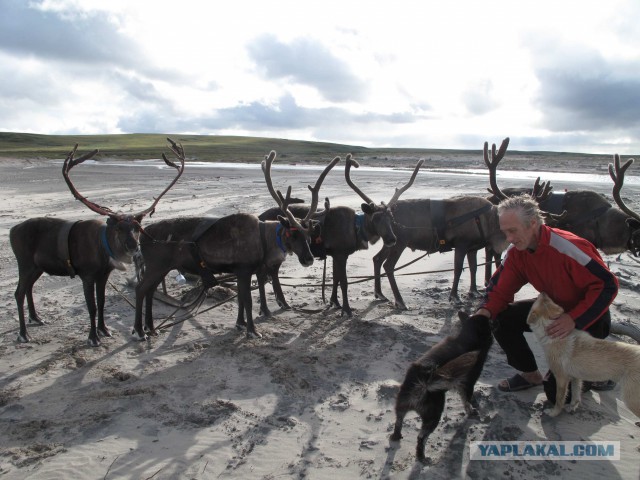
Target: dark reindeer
[
  {"x": 589, "y": 214},
  {"x": 312, "y": 218},
  {"x": 89, "y": 249},
  {"x": 540, "y": 192},
  {"x": 344, "y": 231},
  {"x": 239, "y": 243},
  {"x": 464, "y": 224}
]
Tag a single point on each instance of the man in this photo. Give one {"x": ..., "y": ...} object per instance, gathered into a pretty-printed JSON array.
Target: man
[{"x": 566, "y": 267}]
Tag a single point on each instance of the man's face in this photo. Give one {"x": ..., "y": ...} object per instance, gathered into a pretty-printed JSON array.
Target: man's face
[{"x": 521, "y": 235}]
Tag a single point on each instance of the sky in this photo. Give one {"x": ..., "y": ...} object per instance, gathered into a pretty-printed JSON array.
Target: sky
[{"x": 556, "y": 75}]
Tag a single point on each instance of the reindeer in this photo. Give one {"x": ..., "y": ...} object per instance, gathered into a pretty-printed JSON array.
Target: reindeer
[
  {"x": 344, "y": 231},
  {"x": 89, "y": 249},
  {"x": 586, "y": 213},
  {"x": 239, "y": 243},
  {"x": 464, "y": 224},
  {"x": 312, "y": 217},
  {"x": 540, "y": 192}
]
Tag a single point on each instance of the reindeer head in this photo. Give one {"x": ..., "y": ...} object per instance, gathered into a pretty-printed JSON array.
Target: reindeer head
[
  {"x": 127, "y": 227},
  {"x": 297, "y": 234},
  {"x": 616, "y": 171},
  {"x": 380, "y": 216}
]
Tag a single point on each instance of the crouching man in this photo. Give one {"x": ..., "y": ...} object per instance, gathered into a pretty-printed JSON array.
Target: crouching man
[{"x": 566, "y": 267}]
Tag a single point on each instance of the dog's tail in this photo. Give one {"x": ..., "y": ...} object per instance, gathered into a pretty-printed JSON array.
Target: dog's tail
[{"x": 453, "y": 372}]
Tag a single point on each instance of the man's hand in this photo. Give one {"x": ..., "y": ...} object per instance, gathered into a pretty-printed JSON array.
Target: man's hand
[{"x": 561, "y": 326}]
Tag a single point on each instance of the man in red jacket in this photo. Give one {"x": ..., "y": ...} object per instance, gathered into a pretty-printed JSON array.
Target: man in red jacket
[{"x": 566, "y": 267}]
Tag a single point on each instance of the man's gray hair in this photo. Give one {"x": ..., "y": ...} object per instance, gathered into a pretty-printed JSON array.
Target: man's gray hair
[{"x": 525, "y": 205}]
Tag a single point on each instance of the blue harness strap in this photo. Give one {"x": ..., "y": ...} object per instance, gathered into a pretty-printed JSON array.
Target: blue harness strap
[
  {"x": 362, "y": 238},
  {"x": 105, "y": 242}
]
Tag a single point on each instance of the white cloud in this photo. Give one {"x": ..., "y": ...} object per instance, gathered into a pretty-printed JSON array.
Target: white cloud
[{"x": 550, "y": 75}]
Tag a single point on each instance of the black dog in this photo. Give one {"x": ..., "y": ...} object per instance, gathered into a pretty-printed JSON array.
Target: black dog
[{"x": 454, "y": 362}]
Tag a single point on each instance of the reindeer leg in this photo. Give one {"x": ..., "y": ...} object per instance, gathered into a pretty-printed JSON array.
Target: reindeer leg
[
  {"x": 341, "y": 270},
  {"x": 377, "y": 264},
  {"x": 245, "y": 303},
  {"x": 25, "y": 287},
  {"x": 458, "y": 262},
  {"x": 144, "y": 292},
  {"x": 333, "y": 300},
  {"x": 149, "y": 327},
  {"x": 88, "y": 286},
  {"x": 472, "y": 261},
  {"x": 101, "y": 285},
  {"x": 33, "y": 315},
  {"x": 277, "y": 289},
  {"x": 261, "y": 275},
  {"x": 389, "y": 268}
]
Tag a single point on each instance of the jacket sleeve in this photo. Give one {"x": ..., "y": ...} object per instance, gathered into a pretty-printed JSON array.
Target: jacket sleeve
[
  {"x": 600, "y": 287},
  {"x": 504, "y": 284}
]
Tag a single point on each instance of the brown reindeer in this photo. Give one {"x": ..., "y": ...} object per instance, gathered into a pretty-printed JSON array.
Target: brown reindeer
[
  {"x": 344, "y": 231},
  {"x": 540, "y": 192},
  {"x": 589, "y": 214},
  {"x": 239, "y": 243},
  {"x": 89, "y": 249},
  {"x": 312, "y": 219},
  {"x": 464, "y": 224}
]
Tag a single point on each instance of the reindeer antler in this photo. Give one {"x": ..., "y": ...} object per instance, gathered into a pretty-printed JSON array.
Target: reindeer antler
[
  {"x": 493, "y": 165},
  {"x": 554, "y": 219},
  {"x": 541, "y": 191},
  {"x": 316, "y": 190},
  {"x": 178, "y": 151},
  {"x": 282, "y": 202},
  {"x": 347, "y": 175},
  {"x": 617, "y": 172},
  {"x": 400, "y": 191},
  {"x": 68, "y": 164}
]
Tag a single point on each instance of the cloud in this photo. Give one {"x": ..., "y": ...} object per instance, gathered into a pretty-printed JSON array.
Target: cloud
[
  {"x": 478, "y": 98},
  {"x": 92, "y": 39},
  {"x": 307, "y": 62},
  {"x": 284, "y": 115},
  {"x": 573, "y": 101},
  {"x": 580, "y": 90}
]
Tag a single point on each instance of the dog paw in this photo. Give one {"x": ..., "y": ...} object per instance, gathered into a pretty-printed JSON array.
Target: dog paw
[
  {"x": 553, "y": 412},
  {"x": 572, "y": 407}
]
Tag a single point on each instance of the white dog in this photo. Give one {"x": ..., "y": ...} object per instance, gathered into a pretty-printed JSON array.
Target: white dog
[{"x": 579, "y": 356}]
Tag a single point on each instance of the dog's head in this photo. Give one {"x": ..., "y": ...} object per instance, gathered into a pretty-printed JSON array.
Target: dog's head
[{"x": 543, "y": 311}]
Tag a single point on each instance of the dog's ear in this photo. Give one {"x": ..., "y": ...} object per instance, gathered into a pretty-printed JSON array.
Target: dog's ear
[{"x": 453, "y": 372}]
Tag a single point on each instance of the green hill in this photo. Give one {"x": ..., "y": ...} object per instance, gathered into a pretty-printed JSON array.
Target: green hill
[{"x": 217, "y": 148}]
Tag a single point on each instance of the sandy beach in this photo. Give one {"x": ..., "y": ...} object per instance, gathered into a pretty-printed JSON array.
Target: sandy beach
[{"x": 313, "y": 398}]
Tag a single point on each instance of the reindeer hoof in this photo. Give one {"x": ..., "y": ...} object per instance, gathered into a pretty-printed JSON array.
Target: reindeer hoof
[
  {"x": 93, "y": 342},
  {"x": 241, "y": 326},
  {"x": 36, "y": 321},
  {"x": 401, "y": 306},
  {"x": 380, "y": 296},
  {"x": 104, "y": 332},
  {"x": 139, "y": 337},
  {"x": 253, "y": 334},
  {"x": 395, "y": 437},
  {"x": 23, "y": 338}
]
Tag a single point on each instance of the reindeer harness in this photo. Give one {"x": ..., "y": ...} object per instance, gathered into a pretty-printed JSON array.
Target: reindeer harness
[
  {"x": 362, "y": 239},
  {"x": 441, "y": 224},
  {"x": 555, "y": 205},
  {"x": 206, "y": 274},
  {"x": 63, "y": 247}
]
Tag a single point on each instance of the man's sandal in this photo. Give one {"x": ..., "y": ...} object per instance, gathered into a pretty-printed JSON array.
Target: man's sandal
[{"x": 516, "y": 383}]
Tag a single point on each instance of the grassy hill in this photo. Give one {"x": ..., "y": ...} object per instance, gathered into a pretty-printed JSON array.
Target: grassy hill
[{"x": 215, "y": 148}]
